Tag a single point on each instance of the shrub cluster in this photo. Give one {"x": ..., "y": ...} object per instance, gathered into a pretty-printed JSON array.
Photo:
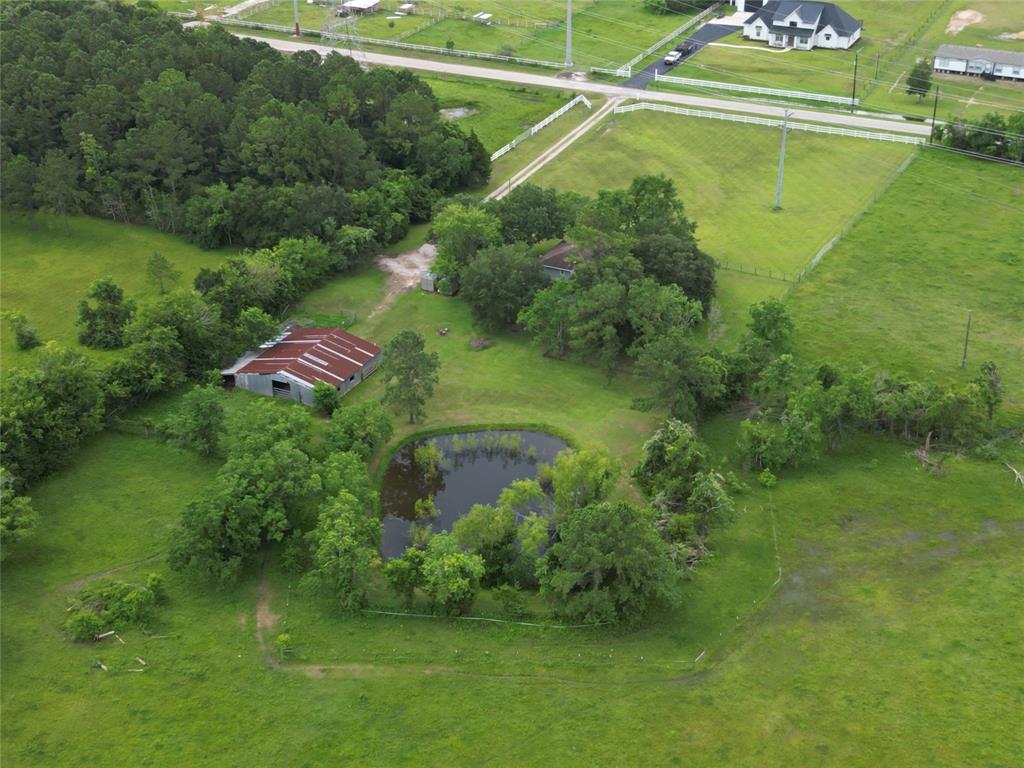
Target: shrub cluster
[{"x": 109, "y": 605}]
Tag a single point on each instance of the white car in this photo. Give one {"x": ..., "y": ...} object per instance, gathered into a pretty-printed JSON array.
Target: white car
[{"x": 673, "y": 57}]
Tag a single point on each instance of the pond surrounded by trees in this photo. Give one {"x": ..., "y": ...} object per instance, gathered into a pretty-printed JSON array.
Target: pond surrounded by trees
[{"x": 457, "y": 471}]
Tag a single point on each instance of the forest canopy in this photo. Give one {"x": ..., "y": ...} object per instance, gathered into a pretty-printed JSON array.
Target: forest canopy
[{"x": 116, "y": 111}]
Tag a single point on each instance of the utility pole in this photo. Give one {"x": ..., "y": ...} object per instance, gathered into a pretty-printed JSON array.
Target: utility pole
[
  {"x": 295, "y": 5},
  {"x": 967, "y": 336},
  {"x": 782, "y": 161},
  {"x": 568, "y": 33},
  {"x": 853, "y": 97},
  {"x": 878, "y": 56},
  {"x": 935, "y": 111}
]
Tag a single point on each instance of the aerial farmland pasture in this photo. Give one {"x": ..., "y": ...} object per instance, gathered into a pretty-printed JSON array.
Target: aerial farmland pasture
[{"x": 756, "y": 398}]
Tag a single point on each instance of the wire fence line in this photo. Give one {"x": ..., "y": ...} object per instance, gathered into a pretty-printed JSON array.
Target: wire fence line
[
  {"x": 581, "y": 99},
  {"x": 886, "y": 61},
  {"x": 771, "y": 274},
  {"x": 854, "y": 219},
  {"x": 831, "y": 130},
  {"x": 721, "y": 86}
]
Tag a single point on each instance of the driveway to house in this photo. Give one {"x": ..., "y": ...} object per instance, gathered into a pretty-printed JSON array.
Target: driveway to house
[
  {"x": 843, "y": 120},
  {"x": 695, "y": 43}
]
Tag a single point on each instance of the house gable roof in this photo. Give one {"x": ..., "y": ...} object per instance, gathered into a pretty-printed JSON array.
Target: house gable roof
[
  {"x": 309, "y": 355},
  {"x": 565, "y": 256},
  {"x": 996, "y": 56},
  {"x": 775, "y": 12}
]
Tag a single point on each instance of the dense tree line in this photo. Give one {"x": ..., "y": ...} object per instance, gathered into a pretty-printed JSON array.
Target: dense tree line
[
  {"x": 114, "y": 110},
  {"x": 993, "y": 135},
  {"x": 805, "y": 410},
  {"x": 640, "y": 273}
]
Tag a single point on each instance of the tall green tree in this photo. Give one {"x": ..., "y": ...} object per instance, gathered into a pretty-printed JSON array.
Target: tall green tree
[
  {"x": 451, "y": 577},
  {"x": 161, "y": 273},
  {"x": 200, "y": 420},
  {"x": 410, "y": 373},
  {"x": 363, "y": 429},
  {"x": 58, "y": 188},
  {"x": 771, "y": 323},
  {"x": 46, "y": 412},
  {"x": 499, "y": 283},
  {"x": 102, "y": 322},
  {"x": 461, "y": 232},
  {"x": 18, "y": 520},
  {"x": 345, "y": 546},
  {"x": 548, "y": 316},
  {"x": 608, "y": 565},
  {"x": 919, "y": 81}
]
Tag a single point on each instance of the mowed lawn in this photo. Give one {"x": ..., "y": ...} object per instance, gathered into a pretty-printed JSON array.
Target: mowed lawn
[
  {"x": 726, "y": 174},
  {"x": 498, "y": 112},
  {"x": 887, "y": 23},
  {"x": 606, "y": 33},
  {"x": 510, "y": 382},
  {"x": 894, "y": 637},
  {"x": 45, "y": 273},
  {"x": 946, "y": 238}
]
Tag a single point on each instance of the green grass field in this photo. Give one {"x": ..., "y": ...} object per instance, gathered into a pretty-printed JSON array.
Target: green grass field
[
  {"x": 895, "y": 633},
  {"x": 45, "y": 273},
  {"x": 501, "y": 112},
  {"x": 895, "y": 636},
  {"x": 887, "y": 23},
  {"x": 959, "y": 96},
  {"x": 606, "y": 33},
  {"x": 726, "y": 173},
  {"x": 895, "y": 292}
]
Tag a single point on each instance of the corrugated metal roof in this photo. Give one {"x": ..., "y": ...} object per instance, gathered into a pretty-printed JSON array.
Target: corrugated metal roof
[
  {"x": 314, "y": 354},
  {"x": 996, "y": 56}
]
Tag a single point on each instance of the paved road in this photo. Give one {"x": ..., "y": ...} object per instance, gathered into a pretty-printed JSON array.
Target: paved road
[
  {"x": 612, "y": 91},
  {"x": 709, "y": 33}
]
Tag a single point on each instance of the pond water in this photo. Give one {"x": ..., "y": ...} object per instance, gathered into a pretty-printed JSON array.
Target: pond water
[{"x": 475, "y": 468}]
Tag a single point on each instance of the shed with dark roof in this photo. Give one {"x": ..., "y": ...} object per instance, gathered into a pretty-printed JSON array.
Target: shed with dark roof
[
  {"x": 290, "y": 365},
  {"x": 560, "y": 262}
]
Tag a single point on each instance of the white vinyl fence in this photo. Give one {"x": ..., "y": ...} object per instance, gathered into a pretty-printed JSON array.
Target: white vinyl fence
[
  {"x": 670, "y": 37},
  {"x": 719, "y": 86},
  {"x": 832, "y": 130},
  {"x": 581, "y": 99}
]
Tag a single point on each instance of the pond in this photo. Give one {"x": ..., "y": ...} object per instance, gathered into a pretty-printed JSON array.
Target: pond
[{"x": 474, "y": 468}]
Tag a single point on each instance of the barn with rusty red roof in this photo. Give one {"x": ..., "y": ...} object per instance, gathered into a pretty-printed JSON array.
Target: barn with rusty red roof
[{"x": 290, "y": 365}]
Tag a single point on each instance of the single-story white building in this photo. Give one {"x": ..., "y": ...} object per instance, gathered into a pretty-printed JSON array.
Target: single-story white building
[
  {"x": 795, "y": 24},
  {"x": 979, "y": 62},
  {"x": 361, "y": 6},
  {"x": 291, "y": 364}
]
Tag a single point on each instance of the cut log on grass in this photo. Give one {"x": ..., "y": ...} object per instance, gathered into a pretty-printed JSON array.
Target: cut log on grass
[
  {"x": 1018, "y": 476},
  {"x": 138, "y": 659},
  {"x": 135, "y": 670},
  {"x": 104, "y": 635},
  {"x": 122, "y": 642},
  {"x": 923, "y": 453}
]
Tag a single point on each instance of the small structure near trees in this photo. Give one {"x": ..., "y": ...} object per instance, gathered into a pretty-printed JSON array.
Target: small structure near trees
[
  {"x": 560, "y": 262},
  {"x": 290, "y": 365}
]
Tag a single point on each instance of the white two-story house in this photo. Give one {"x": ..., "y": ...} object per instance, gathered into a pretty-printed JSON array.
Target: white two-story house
[{"x": 795, "y": 24}]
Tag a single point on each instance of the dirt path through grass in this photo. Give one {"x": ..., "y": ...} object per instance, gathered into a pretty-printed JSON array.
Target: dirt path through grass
[
  {"x": 404, "y": 273},
  {"x": 265, "y": 619}
]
